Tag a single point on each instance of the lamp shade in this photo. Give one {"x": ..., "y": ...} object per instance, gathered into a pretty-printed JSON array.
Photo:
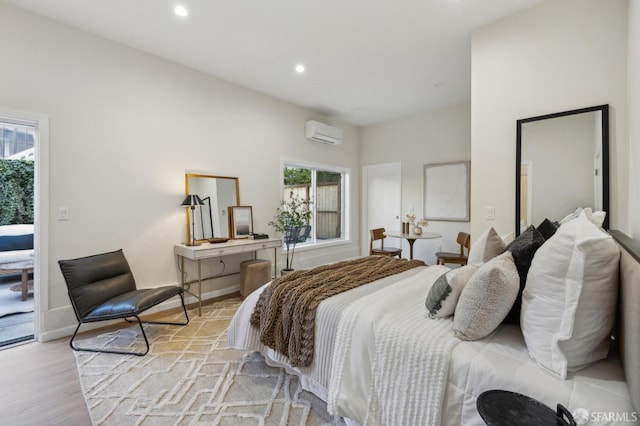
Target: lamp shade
[{"x": 192, "y": 200}]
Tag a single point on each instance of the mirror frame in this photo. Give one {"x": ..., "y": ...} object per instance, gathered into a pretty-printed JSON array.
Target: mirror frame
[
  {"x": 203, "y": 175},
  {"x": 604, "y": 109}
]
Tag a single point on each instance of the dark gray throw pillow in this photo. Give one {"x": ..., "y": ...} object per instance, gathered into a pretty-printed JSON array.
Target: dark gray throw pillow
[
  {"x": 523, "y": 248},
  {"x": 438, "y": 293},
  {"x": 547, "y": 228},
  {"x": 443, "y": 295}
]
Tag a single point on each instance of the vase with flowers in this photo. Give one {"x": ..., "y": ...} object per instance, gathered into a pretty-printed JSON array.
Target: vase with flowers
[{"x": 422, "y": 223}]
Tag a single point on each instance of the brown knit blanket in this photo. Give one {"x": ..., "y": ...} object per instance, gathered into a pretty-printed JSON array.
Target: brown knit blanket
[{"x": 286, "y": 309}]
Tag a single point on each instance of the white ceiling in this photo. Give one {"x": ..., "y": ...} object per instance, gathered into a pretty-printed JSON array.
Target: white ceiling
[{"x": 366, "y": 61}]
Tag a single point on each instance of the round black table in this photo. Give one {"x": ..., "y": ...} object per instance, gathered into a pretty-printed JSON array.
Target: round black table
[{"x": 501, "y": 407}]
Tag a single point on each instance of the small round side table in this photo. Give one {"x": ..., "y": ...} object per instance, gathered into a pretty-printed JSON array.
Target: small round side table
[{"x": 506, "y": 408}]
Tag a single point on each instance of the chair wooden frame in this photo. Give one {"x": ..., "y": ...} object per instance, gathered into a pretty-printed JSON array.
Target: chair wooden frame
[
  {"x": 464, "y": 240},
  {"x": 378, "y": 234}
]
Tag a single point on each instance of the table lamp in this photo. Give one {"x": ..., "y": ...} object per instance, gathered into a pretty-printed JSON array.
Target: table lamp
[{"x": 192, "y": 201}]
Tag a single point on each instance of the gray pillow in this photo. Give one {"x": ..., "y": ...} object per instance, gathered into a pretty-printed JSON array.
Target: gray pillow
[
  {"x": 488, "y": 246},
  {"x": 443, "y": 296},
  {"x": 523, "y": 248},
  {"x": 487, "y": 298},
  {"x": 547, "y": 228}
]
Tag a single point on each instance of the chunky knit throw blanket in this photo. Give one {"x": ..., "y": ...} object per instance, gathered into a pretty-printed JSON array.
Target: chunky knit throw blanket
[{"x": 286, "y": 310}]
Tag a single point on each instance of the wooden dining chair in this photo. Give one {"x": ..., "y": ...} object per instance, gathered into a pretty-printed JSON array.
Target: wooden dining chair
[
  {"x": 378, "y": 234},
  {"x": 464, "y": 240}
]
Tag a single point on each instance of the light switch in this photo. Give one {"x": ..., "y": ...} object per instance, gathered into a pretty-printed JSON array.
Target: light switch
[
  {"x": 490, "y": 213},
  {"x": 63, "y": 213}
]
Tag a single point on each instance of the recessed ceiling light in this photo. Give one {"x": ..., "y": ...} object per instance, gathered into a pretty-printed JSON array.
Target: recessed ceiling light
[
  {"x": 299, "y": 68},
  {"x": 180, "y": 10}
]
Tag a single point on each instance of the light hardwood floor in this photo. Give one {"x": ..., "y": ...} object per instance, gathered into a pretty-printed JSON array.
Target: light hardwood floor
[
  {"x": 39, "y": 385},
  {"x": 39, "y": 382}
]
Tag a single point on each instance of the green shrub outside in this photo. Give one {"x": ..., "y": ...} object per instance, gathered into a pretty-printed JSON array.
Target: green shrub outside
[{"x": 16, "y": 192}]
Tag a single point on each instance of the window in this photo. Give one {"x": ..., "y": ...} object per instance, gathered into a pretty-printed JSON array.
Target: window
[
  {"x": 16, "y": 141},
  {"x": 327, "y": 189}
]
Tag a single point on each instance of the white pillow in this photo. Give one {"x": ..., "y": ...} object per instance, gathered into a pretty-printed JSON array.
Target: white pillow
[
  {"x": 445, "y": 291},
  {"x": 488, "y": 246},
  {"x": 568, "y": 304},
  {"x": 571, "y": 216},
  {"x": 487, "y": 298},
  {"x": 596, "y": 217}
]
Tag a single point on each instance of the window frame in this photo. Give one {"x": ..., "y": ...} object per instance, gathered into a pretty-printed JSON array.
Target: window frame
[{"x": 345, "y": 200}]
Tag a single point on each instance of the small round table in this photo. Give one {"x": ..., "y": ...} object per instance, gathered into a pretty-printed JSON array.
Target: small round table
[
  {"x": 411, "y": 238},
  {"x": 502, "y": 407},
  {"x": 25, "y": 266}
]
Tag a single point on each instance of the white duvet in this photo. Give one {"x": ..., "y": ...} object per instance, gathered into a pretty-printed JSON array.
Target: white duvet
[
  {"x": 499, "y": 361},
  {"x": 390, "y": 361}
]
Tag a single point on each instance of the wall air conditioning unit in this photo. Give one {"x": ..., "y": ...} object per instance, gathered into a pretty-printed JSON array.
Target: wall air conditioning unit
[{"x": 319, "y": 132}]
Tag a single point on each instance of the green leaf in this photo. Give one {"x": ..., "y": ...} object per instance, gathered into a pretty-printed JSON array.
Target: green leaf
[{"x": 16, "y": 191}]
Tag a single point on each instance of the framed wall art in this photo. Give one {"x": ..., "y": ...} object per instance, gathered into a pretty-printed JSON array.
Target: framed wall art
[
  {"x": 240, "y": 222},
  {"x": 446, "y": 191}
]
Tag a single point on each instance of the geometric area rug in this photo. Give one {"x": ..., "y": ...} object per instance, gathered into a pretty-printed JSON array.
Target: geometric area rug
[{"x": 190, "y": 377}]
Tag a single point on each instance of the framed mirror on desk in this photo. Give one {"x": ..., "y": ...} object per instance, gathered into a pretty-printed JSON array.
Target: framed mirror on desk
[{"x": 218, "y": 193}]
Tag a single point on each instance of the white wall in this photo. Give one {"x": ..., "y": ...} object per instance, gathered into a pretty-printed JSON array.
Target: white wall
[
  {"x": 124, "y": 127},
  {"x": 556, "y": 56},
  {"x": 440, "y": 136},
  {"x": 633, "y": 115}
]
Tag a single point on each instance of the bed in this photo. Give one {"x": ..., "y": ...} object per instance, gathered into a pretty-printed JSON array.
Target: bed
[{"x": 367, "y": 335}]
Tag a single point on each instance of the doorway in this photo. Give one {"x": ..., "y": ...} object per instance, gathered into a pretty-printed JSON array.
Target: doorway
[
  {"x": 17, "y": 218},
  {"x": 382, "y": 199}
]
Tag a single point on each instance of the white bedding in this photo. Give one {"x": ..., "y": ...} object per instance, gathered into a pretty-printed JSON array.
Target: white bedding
[
  {"x": 315, "y": 377},
  {"x": 500, "y": 361},
  {"x": 390, "y": 361}
]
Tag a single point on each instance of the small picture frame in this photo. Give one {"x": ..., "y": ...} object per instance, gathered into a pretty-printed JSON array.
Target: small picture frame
[{"x": 240, "y": 222}]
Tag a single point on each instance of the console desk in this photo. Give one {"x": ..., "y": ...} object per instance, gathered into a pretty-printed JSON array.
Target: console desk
[{"x": 209, "y": 251}]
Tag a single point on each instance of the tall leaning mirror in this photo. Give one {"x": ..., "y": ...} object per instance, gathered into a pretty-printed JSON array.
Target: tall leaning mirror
[
  {"x": 562, "y": 162},
  {"x": 217, "y": 193}
]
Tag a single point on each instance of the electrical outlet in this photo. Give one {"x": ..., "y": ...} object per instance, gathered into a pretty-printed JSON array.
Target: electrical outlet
[{"x": 490, "y": 213}]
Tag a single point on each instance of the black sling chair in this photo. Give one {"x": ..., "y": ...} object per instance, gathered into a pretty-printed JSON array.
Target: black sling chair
[{"x": 102, "y": 287}]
